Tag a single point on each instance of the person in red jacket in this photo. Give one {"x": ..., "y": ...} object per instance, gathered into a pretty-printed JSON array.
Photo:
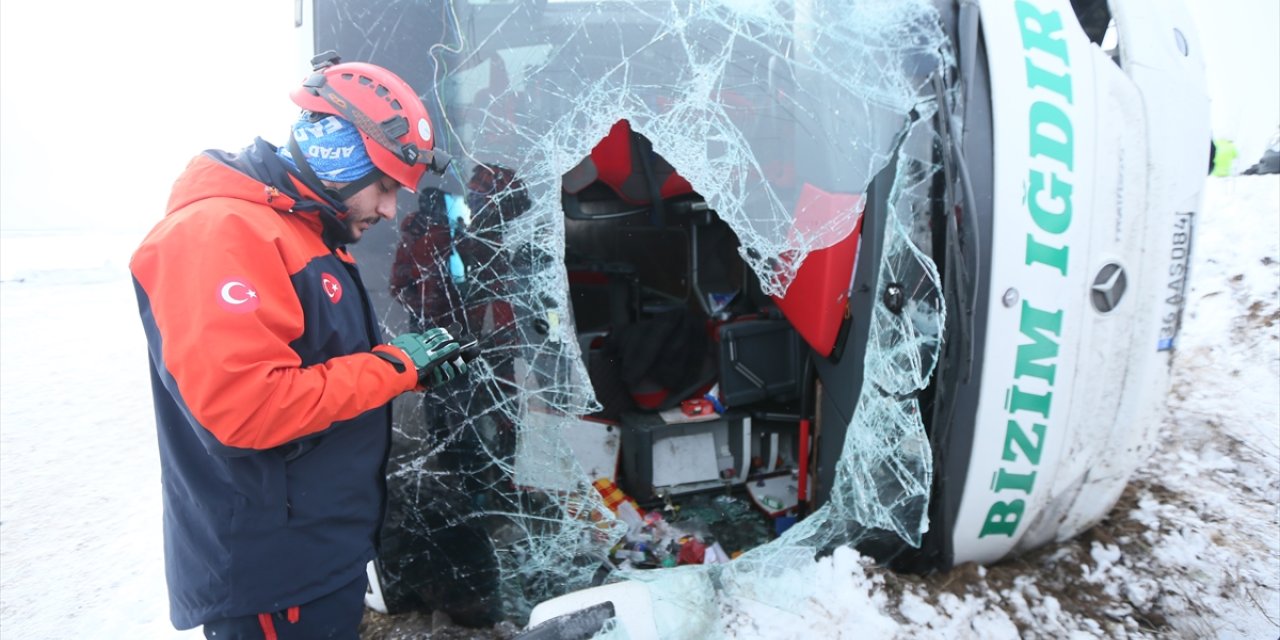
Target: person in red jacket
[{"x": 270, "y": 377}]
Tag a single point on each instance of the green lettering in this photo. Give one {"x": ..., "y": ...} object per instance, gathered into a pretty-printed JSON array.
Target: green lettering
[
  {"x": 1056, "y": 217},
  {"x": 1039, "y": 77},
  {"x": 1019, "y": 400},
  {"x": 1034, "y": 324},
  {"x": 1014, "y": 435},
  {"x": 1020, "y": 481},
  {"x": 1002, "y": 519},
  {"x": 1055, "y": 257},
  {"x": 1051, "y": 133},
  {"x": 1041, "y": 31}
]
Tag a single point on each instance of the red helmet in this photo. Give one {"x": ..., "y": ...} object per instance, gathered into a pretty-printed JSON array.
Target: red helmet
[{"x": 392, "y": 120}]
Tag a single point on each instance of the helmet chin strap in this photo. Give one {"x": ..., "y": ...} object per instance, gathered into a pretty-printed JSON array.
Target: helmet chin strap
[{"x": 355, "y": 186}]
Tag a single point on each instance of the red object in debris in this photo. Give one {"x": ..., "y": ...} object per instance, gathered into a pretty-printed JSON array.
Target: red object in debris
[
  {"x": 697, "y": 407},
  {"x": 692, "y": 552},
  {"x": 802, "y": 493}
]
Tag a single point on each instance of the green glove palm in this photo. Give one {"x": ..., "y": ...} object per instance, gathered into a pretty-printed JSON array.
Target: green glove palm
[{"x": 435, "y": 353}]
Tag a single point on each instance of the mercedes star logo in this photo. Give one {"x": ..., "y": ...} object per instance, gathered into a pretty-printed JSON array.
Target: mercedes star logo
[{"x": 1108, "y": 287}]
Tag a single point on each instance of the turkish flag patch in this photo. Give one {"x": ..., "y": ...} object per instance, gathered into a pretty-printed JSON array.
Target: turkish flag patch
[
  {"x": 238, "y": 295},
  {"x": 332, "y": 287}
]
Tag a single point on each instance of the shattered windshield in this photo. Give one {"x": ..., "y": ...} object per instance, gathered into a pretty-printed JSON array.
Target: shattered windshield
[{"x": 636, "y": 187}]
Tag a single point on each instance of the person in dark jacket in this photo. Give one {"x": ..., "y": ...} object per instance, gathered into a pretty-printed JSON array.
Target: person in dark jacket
[{"x": 270, "y": 377}]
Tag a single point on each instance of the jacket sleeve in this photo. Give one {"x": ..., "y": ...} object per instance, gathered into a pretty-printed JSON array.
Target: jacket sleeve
[{"x": 223, "y": 311}]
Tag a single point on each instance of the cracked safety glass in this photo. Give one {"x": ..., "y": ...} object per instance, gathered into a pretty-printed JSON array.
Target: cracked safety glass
[{"x": 695, "y": 242}]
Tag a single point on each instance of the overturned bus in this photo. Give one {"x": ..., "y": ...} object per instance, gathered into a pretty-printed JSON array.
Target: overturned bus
[{"x": 754, "y": 280}]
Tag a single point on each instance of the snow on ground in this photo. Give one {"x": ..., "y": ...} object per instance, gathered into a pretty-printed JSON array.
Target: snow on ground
[
  {"x": 79, "y": 470},
  {"x": 1191, "y": 550}
]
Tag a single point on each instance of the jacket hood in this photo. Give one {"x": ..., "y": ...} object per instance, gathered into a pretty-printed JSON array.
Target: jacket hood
[{"x": 255, "y": 174}]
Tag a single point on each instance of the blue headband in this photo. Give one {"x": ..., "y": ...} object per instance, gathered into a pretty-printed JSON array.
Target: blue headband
[{"x": 333, "y": 148}]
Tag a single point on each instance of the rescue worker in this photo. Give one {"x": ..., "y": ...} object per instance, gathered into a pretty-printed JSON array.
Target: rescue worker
[
  {"x": 1224, "y": 157},
  {"x": 270, "y": 378}
]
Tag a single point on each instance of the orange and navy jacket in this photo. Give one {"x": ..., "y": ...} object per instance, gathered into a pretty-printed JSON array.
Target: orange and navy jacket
[{"x": 271, "y": 406}]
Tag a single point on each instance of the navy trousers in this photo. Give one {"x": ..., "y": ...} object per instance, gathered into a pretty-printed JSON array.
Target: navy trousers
[{"x": 336, "y": 616}]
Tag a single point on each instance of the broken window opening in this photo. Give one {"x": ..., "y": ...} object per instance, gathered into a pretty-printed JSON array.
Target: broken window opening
[{"x": 688, "y": 357}]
